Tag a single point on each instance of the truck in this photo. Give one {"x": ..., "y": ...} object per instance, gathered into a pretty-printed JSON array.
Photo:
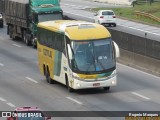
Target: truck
[
  {"x": 1, "y": 13},
  {"x": 22, "y": 17}
]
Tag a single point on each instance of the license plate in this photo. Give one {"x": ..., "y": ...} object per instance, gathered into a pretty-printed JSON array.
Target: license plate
[{"x": 96, "y": 84}]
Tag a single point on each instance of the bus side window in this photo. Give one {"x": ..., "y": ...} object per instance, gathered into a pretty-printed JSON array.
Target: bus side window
[
  {"x": 60, "y": 42},
  {"x": 41, "y": 36},
  {"x": 49, "y": 39},
  {"x": 45, "y": 41},
  {"x": 53, "y": 40},
  {"x": 63, "y": 44}
]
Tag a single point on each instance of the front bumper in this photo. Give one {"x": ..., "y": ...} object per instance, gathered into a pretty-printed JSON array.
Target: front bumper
[
  {"x": 107, "y": 21},
  {"x": 105, "y": 83}
]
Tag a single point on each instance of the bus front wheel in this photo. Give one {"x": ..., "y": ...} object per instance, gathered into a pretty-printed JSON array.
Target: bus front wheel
[{"x": 68, "y": 87}]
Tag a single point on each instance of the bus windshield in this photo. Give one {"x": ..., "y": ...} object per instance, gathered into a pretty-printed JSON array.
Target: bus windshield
[
  {"x": 49, "y": 17},
  {"x": 93, "y": 56}
]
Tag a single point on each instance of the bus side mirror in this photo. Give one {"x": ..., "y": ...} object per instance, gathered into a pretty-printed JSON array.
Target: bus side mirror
[
  {"x": 116, "y": 49},
  {"x": 69, "y": 52}
]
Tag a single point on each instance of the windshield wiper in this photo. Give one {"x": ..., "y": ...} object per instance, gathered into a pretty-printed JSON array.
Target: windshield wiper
[
  {"x": 93, "y": 62},
  {"x": 100, "y": 64}
]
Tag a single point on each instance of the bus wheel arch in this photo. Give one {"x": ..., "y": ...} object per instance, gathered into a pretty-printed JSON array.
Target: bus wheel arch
[
  {"x": 67, "y": 84},
  {"x": 48, "y": 77},
  {"x": 46, "y": 73}
]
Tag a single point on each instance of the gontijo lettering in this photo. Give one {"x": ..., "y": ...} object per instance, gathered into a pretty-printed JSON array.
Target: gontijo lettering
[{"x": 47, "y": 53}]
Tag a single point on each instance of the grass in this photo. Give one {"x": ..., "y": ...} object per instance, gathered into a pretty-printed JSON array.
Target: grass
[{"x": 129, "y": 12}]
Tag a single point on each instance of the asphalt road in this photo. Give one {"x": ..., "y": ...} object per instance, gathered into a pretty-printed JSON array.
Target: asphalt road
[
  {"x": 21, "y": 84},
  {"x": 76, "y": 9}
]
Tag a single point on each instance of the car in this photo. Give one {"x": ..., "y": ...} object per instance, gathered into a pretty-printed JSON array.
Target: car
[
  {"x": 1, "y": 21},
  {"x": 28, "y": 113},
  {"x": 105, "y": 17}
]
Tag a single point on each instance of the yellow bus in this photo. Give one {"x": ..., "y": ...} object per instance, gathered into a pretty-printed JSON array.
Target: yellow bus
[{"x": 77, "y": 54}]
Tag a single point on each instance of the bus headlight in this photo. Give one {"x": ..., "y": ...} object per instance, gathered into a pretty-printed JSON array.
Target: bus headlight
[
  {"x": 113, "y": 82},
  {"x": 79, "y": 85},
  {"x": 77, "y": 78}
]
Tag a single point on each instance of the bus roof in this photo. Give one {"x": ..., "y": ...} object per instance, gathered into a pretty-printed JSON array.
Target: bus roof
[{"x": 77, "y": 30}]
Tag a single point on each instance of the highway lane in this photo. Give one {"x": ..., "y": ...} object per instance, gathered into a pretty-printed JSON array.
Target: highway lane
[
  {"x": 84, "y": 4},
  {"x": 21, "y": 84},
  {"x": 80, "y": 13}
]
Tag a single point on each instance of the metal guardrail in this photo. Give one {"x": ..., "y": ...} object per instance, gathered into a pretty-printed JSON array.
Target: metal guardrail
[{"x": 147, "y": 15}]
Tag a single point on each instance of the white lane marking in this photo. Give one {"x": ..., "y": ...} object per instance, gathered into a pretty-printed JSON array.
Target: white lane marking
[
  {"x": 16, "y": 45},
  {"x": 31, "y": 79},
  {"x": 79, "y": 15},
  {"x": 144, "y": 97},
  {"x": 117, "y": 24},
  {"x": 139, "y": 71},
  {"x": 1, "y": 64},
  {"x": 2, "y": 99},
  {"x": 74, "y": 100},
  {"x": 10, "y": 104},
  {"x": 139, "y": 29}
]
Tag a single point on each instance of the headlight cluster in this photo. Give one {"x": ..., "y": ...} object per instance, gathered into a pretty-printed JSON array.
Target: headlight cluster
[{"x": 78, "y": 78}]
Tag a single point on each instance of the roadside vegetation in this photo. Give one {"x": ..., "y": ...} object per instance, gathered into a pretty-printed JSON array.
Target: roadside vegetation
[{"x": 129, "y": 12}]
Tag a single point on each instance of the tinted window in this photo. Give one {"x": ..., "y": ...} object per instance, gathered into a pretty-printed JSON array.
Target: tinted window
[
  {"x": 49, "y": 17},
  {"x": 60, "y": 42},
  {"x": 51, "y": 39},
  {"x": 107, "y": 13},
  {"x": 41, "y": 36}
]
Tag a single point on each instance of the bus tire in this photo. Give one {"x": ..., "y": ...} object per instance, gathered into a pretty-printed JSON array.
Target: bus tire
[
  {"x": 24, "y": 36},
  {"x": 68, "y": 87},
  {"x": 28, "y": 42},
  {"x": 11, "y": 32},
  {"x": 34, "y": 46},
  {"x": 48, "y": 78},
  {"x": 106, "y": 88}
]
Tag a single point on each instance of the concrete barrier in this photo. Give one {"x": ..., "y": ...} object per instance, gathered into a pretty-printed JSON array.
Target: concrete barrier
[
  {"x": 141, "y": 62},
  {"x": 139, "y": 52}
]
